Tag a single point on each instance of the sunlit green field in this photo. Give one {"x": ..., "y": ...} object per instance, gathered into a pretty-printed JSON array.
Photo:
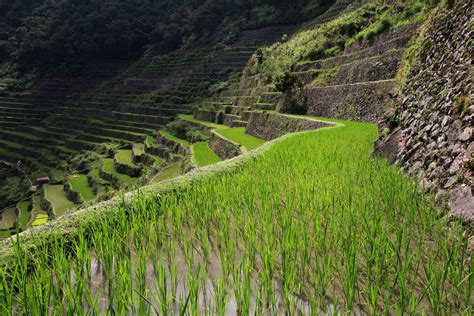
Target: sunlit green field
[
  {"x": 56, "y": 195},
  {"x": 124, "y": 156},
  {"x": 80, "y": 184},
  {"x": 314, "y": 225},
  {"x": 203, "y": 155},
  {"x": 239, "y": 136}
]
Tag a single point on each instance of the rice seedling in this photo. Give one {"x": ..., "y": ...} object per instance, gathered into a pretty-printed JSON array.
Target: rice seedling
[{"x": 314, "y": 225}]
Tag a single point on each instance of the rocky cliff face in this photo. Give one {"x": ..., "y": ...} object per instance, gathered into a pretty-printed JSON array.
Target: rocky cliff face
[{"x": 430, "y": 130}]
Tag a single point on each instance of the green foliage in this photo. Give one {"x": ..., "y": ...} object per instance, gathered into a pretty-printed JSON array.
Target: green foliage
[
  {"x": 375, "y": 29},
  {"x": 65, "y": 34},
  {"x": 184, "y": 130}
]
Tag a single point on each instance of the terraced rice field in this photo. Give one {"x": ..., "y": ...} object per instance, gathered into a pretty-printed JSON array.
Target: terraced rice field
[
  {"x": 96, "y": 175},
  {"x": 203, "y": 155},
  {"x": 150, "y": 141},
  {"x": 25, "y": 213},
  {"x": 108, "y": 167},
  {"x": 169, "y": 136},
  {"x": 7, "y": 221},
  {"x": 170, "y": 172},
  {"x": 80, "y": 184},
  {"x": 57, "y": 196},
  {"x": 239, "y": 136},
  {"x": 190, "y": 118},
  {"x": 313, "y": 225},
  {"x": 39, "y": 217},
  {"x": 139, "y": 149},
  {"x": 124, "y": 156}
]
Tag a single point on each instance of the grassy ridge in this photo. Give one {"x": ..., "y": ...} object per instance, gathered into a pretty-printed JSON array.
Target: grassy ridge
[{"x": 312, "y": 223}]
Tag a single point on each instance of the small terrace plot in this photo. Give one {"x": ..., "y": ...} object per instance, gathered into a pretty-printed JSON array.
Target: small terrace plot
[
  {"x": 124, "y": 156},
  {"x": 56, "y": 195},
  {"x": 79, "y": 184},
  {"x": 203, "y": 155},
  {"x": 239, "y": 136}
]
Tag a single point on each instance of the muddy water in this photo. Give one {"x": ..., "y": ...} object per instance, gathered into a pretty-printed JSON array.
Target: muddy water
[{"x": 210, "y": 276}]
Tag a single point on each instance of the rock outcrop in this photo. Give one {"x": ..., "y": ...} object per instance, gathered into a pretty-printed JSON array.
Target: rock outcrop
[{"x": 434, "y": 111}]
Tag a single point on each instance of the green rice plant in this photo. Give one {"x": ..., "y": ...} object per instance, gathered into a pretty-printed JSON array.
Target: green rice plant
[{"x": 312, "y": 225}]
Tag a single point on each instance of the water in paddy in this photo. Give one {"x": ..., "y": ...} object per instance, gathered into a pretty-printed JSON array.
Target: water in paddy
[{"x": 177, "y": 281}]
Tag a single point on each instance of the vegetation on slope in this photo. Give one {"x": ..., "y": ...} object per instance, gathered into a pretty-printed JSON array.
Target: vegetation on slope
[
  {"x": 312, "y": 225},
  {"x": 277, "y": 62}
]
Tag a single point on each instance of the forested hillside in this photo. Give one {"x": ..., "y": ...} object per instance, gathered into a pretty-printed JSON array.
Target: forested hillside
[{"x": 67, "y": 33}]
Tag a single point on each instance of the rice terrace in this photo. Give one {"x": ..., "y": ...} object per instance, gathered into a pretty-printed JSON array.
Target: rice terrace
[{"x": 209, "y": 157}]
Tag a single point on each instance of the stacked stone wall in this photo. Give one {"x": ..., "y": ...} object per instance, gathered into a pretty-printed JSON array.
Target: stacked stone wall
[
  {"x": 269, "y": 126},
  {"x": 434, "y": 111}
]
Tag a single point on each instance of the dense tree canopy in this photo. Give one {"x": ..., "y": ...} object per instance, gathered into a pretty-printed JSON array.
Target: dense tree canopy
[{"x": 48, "y": 32}]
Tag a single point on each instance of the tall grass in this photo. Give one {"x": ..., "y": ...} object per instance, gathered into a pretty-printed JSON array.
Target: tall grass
[{"x": 312, "y": 226}]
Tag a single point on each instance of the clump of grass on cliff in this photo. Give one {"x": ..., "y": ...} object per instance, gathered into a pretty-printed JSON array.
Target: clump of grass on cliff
[{"x": 313, "y": 225}]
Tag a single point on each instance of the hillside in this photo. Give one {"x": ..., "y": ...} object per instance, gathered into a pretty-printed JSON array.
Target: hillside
[{"x": 241, "y": 177}]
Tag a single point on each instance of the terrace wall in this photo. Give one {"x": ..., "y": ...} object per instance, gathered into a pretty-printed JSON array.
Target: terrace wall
[
  {"x": 131, "y": 171},
  {"x": 71, "y": 194},
  {"x": 359, "y": 101},
  {"x": 223, "y": 147},
  {"x": 434, "y": 138},
  {"x": 269, "y": 126}
]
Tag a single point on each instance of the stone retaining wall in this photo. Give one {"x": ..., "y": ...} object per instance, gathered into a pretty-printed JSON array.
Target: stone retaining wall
[
  {"x": 109, "y": 177},
  {"x": 434, "y": 137},
  {"x": 204, "y": 115},
  {"x": 370, "y": 69},
  {"x": 174, "y": 146},
  {"x": 71, "y": 194},
  {"x": 360, "y": 101},
  {"x": 129, "y": 170},
  {"x": 223, "y": 147},
  {"x": 270, "y": 126}
]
